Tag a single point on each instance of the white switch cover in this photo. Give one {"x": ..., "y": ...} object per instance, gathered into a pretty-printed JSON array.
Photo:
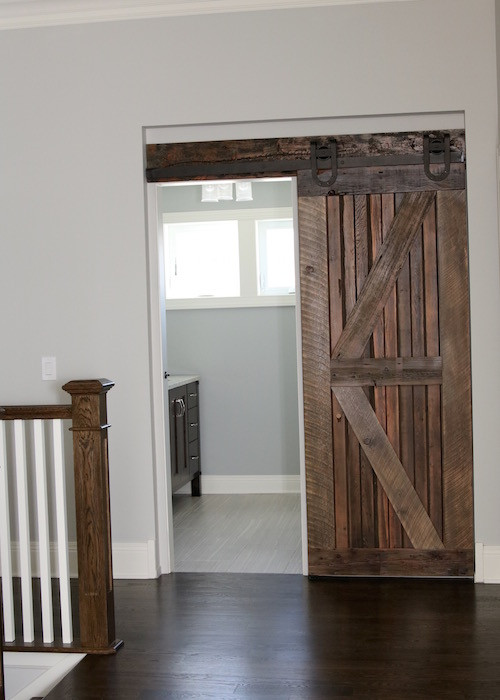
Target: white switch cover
[{"x": 49, "y": 368}]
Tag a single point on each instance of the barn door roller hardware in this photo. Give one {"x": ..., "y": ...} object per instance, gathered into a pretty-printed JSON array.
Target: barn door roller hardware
[
  {"x": 325, "y": 161},
  {"x": 320, "y": 156},
  {"x": 436, "y": 146}
]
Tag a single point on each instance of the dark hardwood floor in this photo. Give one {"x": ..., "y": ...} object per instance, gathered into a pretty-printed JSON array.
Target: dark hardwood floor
[{"x": 264, "y": 636}]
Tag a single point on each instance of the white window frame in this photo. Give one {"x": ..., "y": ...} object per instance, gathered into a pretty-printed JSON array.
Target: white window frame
[{"x": 249, "y": 296}]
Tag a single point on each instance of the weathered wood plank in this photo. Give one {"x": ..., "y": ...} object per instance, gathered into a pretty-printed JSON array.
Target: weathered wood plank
[
  {"x": 353, "y": 449},
  {"x": 335, "y": 262},
  {"x": 386, "y": 371},
  {"x": 379, "y": 393},
  {"x": 391, "y": 562},
  {"x": 455, "y": 351},
  {"x": 388, "y": 468},
  {"x": 382, "y": 180},
  {"x": 168, "y": 154},
  {"x": 391, "y": 350},
  {"x": 418, "y": 351},
  {"x": 313, "y": 252},
  {"x": 433, "y": 392},
  {"x": 368, "y": 526},
  {"x": 383, "y": 275},
  {"x": 406, "y": 451}
]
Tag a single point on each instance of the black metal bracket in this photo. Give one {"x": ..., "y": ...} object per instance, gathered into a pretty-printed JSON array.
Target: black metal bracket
[
  {"x": 324, "y": 154},
  {"x": 437, "y": 145}
]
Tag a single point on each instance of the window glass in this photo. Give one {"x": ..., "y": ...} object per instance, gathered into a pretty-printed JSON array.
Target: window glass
[
  {"x": 202, "y": 259},
  {"x": 276, "y": 257}
]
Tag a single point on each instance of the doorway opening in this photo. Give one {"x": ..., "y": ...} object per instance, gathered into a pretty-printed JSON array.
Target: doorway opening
[{"x": 231, "y": 336}]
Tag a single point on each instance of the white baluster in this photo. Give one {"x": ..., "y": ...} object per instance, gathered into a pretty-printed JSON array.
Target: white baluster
[
  {"x": 5, "y": 551},
  {"x": 43, "y": 533},
  {"x": 24, "y": 530},
  {"x": 62, "y": 533}
]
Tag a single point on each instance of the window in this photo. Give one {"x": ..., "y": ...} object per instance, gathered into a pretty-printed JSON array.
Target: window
[
  {"x": 229, "y": 258},
  {"x": 276, "y": 256}
]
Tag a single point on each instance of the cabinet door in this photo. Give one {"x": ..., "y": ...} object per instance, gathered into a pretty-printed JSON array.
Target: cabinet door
[{"x": 178, "y": 437}]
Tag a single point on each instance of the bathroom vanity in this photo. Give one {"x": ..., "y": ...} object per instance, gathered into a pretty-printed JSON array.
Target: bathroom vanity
[{"x": 183, "y": 394}]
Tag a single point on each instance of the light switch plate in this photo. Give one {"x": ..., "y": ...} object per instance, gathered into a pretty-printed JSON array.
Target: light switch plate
[{"x": 49, "y": 370}]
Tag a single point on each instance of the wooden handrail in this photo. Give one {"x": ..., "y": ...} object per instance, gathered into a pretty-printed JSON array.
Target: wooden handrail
[
  {"x": 62, "y": 412},
  {"x": 88, "y": 413}
]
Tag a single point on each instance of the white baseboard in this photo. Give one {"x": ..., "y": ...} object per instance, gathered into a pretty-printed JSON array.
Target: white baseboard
[
  {"x": 487, "y": 568},
  {"x": 130, "y": 560},
  {"x": 232, "y": 484}
]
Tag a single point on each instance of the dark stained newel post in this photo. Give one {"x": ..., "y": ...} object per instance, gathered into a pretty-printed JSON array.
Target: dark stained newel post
[{"x": 95, "y": 572}]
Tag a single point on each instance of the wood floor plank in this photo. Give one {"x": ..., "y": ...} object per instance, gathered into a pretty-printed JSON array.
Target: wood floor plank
[{"x": 259, "y": 636}]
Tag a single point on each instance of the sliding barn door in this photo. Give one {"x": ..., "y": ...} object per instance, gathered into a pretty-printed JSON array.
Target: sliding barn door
[{"x": 387, "y": 394}]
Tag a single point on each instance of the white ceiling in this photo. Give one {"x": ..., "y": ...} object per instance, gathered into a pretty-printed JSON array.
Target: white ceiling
[{"x": 16, "y": 14}]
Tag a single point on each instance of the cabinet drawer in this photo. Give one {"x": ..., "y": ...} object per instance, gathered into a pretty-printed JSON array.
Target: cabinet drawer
[
  {"x": 192, "y": 394},
  {"x": 193, "y": 424},
  {"x": 194, "y": 457}
]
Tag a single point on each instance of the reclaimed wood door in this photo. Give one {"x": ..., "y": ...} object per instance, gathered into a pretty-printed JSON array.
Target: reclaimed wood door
[
  {"x": 386, "y": 359},
  {"x": 385, "y": 340}
]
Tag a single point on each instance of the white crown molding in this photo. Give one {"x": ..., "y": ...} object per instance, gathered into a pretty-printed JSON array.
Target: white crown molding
[{"x": 22, "y": 14}]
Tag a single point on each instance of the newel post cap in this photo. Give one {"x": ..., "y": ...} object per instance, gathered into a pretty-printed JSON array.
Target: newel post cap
[{"x": 88, "y": 386}]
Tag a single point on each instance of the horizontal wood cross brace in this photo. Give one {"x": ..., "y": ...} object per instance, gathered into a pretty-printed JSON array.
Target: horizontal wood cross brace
[{"x": 386, "y": 371}]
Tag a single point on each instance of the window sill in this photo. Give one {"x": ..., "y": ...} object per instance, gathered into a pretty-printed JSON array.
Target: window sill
[{"x": 230, "y": 302}]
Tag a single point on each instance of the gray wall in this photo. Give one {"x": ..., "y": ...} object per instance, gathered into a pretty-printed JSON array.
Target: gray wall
[
  {"x": 248, "y": 366},
  {"x": 75, "y": 101}
]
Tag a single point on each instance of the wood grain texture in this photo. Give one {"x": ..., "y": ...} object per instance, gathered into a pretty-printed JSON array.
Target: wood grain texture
[
  {"x": 62, "y": 412},
  {"x": 383, "y": 274},
  {"x": 313, "y": 256},
  {"x": 392, "y": 562},
  {"x": 353, "y": 450},
  {"x": 433, "y": 392},
  {"x": 386, "y": 371},
  {"x": 455, "y": 351},
  {"x": 388, "y": 468},
  {"x": 261, "y": 637},
  {"x": 367, "y": 477},
  {"x": 382, "y": 180},
  {"x": 379, "y": 392},
  {"x": 337, "y": 313},
  {"x": 299, "y": 148},
  {"x": 95, "y": 574},
  {"x": 391, "y": 350}
]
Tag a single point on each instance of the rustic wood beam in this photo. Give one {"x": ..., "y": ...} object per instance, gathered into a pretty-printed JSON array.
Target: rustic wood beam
[{"x": 386, "y": 371}]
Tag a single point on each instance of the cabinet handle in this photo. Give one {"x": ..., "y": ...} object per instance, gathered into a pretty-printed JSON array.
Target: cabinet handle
[
  {"x": 193, "y": 396},
  {"x": 195, "y": 458},
  {"x": 180, "y": 408},
  {"x": 193, "y": 425}
]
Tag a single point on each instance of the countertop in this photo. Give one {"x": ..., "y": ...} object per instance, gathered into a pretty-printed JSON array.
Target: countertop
[{"x": 175, "y": 380}]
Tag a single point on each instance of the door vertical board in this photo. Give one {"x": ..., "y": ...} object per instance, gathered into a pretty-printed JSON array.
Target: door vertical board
[
  {"x": 418, "y": 350},
  {"x": 404, "y": 350},
  {"x": 455, "y": 351},
  {"x": 314, "y": 286},
  {"x": 432, "y": 350},
  {"x": 362, "y": 244},
  {"x": 337, "y": 317},
  {"x": 379, "y": 393},
  {"x": 353, "y": 451},
  {"x": 391, "y": 350}
]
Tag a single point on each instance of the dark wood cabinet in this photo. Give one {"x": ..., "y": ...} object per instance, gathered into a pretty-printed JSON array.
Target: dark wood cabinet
[{"x": 185, "y": 437}]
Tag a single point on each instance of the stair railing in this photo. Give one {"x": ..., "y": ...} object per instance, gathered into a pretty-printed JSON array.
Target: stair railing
[{"x": 38, "y": 614}]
